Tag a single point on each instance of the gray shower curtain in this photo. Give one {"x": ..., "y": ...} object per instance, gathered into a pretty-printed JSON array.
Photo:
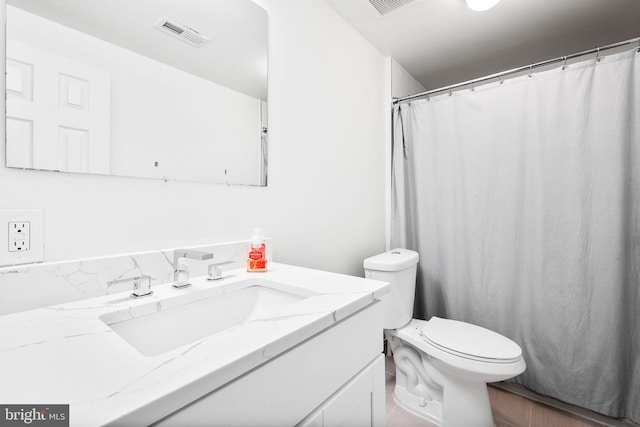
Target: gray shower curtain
[{"x": 523, "y": 200}]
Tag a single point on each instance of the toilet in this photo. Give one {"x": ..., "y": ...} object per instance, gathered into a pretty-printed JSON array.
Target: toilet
[{"x": 442, "y": 366}]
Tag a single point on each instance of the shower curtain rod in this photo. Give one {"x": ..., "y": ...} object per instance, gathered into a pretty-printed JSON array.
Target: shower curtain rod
[{"x": 502, "y": 74}]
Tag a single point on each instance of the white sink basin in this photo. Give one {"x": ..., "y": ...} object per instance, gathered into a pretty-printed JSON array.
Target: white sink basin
[{"x": 168, "y": 329}]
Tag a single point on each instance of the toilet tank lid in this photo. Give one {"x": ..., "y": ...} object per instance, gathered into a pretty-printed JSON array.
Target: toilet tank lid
[{"x": 393, "y": 260}]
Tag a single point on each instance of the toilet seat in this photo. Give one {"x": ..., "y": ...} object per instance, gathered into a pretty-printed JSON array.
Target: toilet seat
[{"x": 462, "y": 340}]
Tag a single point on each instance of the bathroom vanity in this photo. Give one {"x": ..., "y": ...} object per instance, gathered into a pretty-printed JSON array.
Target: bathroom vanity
[{"x": 292, "y": 346}]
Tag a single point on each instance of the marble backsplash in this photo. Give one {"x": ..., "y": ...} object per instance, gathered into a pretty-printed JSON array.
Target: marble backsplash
[{"x": 30, "y": 286}]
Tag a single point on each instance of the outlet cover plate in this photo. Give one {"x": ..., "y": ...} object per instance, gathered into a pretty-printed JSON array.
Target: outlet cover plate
[{"x": 34, "y": 249}]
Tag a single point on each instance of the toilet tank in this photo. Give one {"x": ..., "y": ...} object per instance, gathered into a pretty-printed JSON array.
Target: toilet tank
[{"x": 397, "y": 267}]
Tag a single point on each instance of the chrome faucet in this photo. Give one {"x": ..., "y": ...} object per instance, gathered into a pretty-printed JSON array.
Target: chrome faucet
[{"x": 181, "y": 270}]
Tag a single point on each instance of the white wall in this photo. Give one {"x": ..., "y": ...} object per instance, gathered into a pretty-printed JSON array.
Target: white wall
[
  {"x": 324, "y": 206},
  {"x": 403, "y": 83},
  {"x": 398, "y": 83}
]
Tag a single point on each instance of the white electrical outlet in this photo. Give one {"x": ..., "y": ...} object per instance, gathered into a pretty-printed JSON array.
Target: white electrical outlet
[
  {"x": 21, "y": 236},
  {"x": 19, "y": 239}
]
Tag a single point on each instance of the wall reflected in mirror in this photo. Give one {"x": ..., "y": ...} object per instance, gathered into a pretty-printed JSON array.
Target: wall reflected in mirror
[{"x": 175, "y": 90}]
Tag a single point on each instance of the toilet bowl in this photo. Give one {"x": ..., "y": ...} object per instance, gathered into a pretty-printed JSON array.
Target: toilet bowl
[{"x": 442, "y": 365}]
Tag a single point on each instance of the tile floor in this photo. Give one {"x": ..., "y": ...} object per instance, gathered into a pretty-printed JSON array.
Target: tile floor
[{"x": 509, "y": 410}]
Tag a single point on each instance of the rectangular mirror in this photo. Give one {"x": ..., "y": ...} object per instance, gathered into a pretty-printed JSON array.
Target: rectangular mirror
[{"x": 172, "y": 89}]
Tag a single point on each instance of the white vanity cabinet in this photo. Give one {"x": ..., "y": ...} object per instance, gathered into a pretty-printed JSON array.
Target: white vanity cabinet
[
  {"x": 335, "y": 378},
  {"x": 292, "y": 346}
]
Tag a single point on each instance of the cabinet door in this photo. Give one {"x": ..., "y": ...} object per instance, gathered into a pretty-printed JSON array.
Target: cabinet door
[
  {"x": 358, "y": 403},
  {"x": 352, "y": 405}
]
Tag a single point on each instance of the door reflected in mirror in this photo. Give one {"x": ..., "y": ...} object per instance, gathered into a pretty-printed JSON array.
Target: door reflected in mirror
[{"x": 172, "y": 90}]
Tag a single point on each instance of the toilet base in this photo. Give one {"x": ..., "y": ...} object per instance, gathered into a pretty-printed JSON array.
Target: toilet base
[
  {"x": 429, "y": 410},
  {"x": 430, "y": 389},
  {"x": 461, "y": 404}
]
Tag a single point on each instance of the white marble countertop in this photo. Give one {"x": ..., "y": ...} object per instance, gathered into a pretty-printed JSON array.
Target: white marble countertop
[{"x": 64, "y": 354}]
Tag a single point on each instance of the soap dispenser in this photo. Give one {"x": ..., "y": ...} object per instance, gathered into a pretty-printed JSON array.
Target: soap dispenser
[{"x": 257, "y": 257}]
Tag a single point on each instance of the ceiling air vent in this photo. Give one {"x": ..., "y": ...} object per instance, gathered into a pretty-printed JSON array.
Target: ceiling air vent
[
  {"x": 387, "y": 6},
  {"x": 180, "y": 31}
]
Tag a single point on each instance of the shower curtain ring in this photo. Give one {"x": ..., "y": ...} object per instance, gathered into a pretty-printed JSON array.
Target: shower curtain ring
[
  {"x": 530, "y": 70},
  {"x": 598, "y": 58},
  {"x": 564, "y": 63}
]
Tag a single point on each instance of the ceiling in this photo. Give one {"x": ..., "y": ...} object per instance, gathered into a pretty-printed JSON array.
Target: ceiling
[{"x": 442, "y": 42}]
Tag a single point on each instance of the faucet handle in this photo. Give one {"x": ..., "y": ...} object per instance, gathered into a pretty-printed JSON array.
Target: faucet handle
[
  {"x": 215, "y": 272},
  {"x": 141, "y": 287}
]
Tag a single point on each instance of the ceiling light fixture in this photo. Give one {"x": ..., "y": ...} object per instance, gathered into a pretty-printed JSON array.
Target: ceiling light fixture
[{"x": 481, "y": 5}]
